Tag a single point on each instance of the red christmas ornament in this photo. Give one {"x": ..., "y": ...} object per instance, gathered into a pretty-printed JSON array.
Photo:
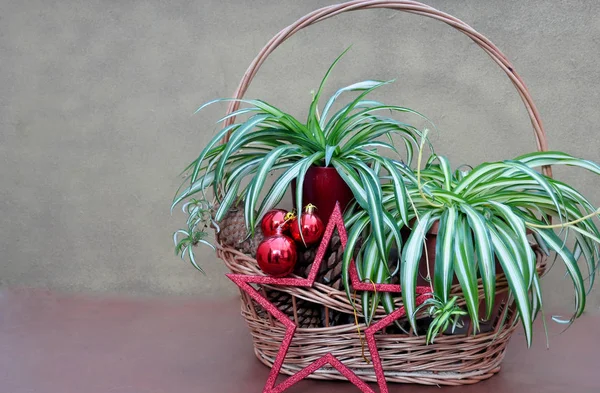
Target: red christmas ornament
[
  {"x": 277, "y": 218},
  {"x": 311, "y": 224},
  {"x": 276, "y": 255}
]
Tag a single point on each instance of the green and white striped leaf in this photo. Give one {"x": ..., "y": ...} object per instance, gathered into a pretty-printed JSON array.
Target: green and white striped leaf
[
  {"x": 586, "y": 247},
  {"x": 556, "y": 244},
  {"x": 538, "y": 305},
  {"x": 373, "y": 191},
  {"x": 538, "y": 159},
  {"x": 444, "y": 254},
  {"x": 313, "y": 118},
  {"x": 485, "y": 255},
  {"x": 411, "y": 257},
  {"x": 329, "y": 151},
  {"x": 353, "y": 237},
  {"x": 353, "y": 181},
  {"x": 446, "y": 171},
  {"x": 509, "y": 236},
  {"x": 551, "y": 191},
  {"x": 238, "y": 134},
  {"x": 360, "y": 86},
  {"x": 515, "y": 282},
  {"x": 220, "y": 135},
  {"x": 399, "y": 189},
  {"x": 227, "y": 201},
  {"x": 518, "y": 226},
  {"x": 259, "y": 180},
  {"x": 373, "y": 273},
  {"x": 464, "y": 265}
]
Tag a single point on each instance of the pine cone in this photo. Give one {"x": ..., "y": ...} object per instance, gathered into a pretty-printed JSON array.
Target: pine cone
[
  {"x": 330, "y": 271},
  {"x": 233, "y": 232},
  {"x": 309, "y": 314}
]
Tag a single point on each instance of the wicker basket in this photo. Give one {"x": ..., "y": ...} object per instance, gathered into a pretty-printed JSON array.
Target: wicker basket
[{"x": 454, "y": 359}]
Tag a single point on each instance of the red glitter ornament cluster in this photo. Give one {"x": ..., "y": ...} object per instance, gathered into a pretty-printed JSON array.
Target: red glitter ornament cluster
[{"x": 276, "y": 254}]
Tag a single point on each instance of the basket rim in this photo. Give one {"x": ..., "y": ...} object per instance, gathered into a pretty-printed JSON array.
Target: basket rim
[{"x": 336, "y": 299}]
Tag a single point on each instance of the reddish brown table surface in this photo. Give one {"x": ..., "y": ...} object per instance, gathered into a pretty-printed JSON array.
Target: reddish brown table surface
[{"x": 52, "y": 343}]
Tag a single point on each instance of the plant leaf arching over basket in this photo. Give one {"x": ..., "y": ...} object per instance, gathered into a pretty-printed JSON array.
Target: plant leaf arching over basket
[
  {"x": 488, "y": 213},
  {"x": 351, "y": 139},
  {"x": 484, "y": 214}
]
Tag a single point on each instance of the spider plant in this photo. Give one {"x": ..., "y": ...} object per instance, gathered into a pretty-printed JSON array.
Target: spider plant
[
  {"x": 199, "y": 219},
  {"x": 486, "y": 214},
  {"x": 352, "y": 139},
  {"x": 443, "y": 314}
]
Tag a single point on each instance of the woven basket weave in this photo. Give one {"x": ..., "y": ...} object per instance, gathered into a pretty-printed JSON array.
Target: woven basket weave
[{"x": 453, "y": 359}]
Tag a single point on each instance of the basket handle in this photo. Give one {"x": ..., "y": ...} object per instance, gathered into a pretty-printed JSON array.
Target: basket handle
[{"x": 412, "y": 7}]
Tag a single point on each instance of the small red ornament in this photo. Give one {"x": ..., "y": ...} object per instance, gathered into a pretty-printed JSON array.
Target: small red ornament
[
  {"x": 311, "y": 224},
  {"x": 276, "y": 255},
  {"x": 276, "y": 218}
]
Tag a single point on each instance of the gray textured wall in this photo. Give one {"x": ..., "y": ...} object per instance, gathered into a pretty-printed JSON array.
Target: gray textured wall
[{"x": 96, "y": 101}]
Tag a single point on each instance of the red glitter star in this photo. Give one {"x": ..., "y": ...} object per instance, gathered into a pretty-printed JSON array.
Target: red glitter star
[
  {"x": 243, "y": 281},
  {"x": 370, "y": 337}
]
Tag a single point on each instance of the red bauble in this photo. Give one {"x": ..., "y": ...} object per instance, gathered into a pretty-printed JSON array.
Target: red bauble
[
  {"x": 277, "y": 218},
  {"x": 311, "y": 224},
  {"x": 276, "y": 255}
]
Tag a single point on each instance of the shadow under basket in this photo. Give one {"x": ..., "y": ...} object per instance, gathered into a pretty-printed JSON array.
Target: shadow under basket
[{"x": 453, "y": 359}]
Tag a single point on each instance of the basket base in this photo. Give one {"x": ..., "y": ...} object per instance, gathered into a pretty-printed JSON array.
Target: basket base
[
  {"x": 451, "y": 360},
  {"x": 422, "y": 378}
]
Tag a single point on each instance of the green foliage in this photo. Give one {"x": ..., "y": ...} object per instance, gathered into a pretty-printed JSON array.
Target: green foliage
[
  {"x": 199, "y": 216},
  {"x": 443, "y": 313},
  {"x": 486, "y": 214},
  {"x": 353, "y": 140}
]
